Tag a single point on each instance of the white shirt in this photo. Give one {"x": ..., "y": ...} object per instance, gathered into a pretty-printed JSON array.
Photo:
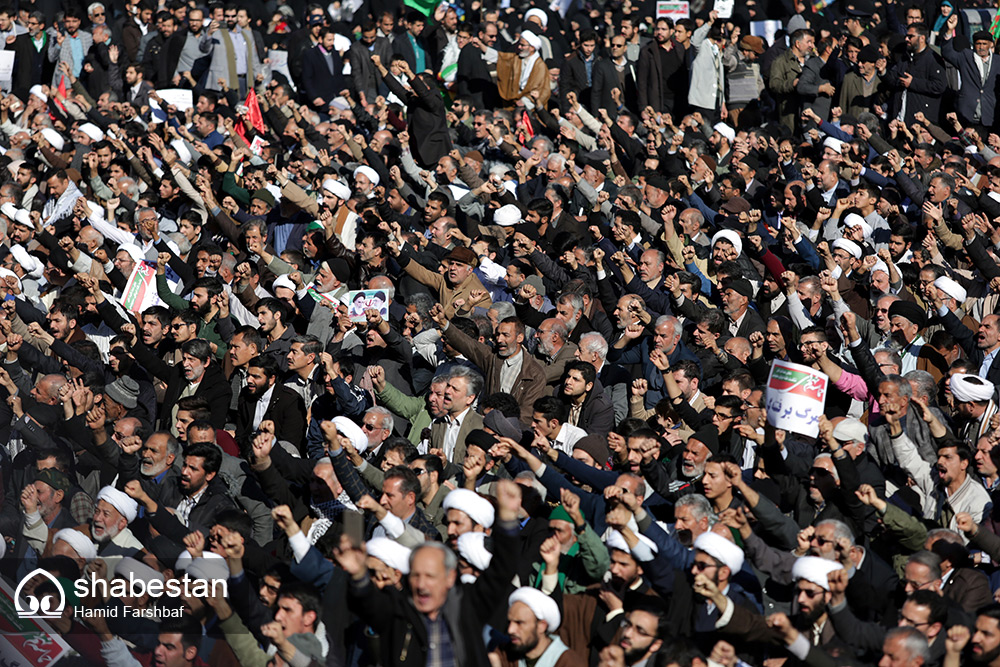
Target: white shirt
[
  {"x": 451, "y": 433},
  {"x": 261, "y": 407}
]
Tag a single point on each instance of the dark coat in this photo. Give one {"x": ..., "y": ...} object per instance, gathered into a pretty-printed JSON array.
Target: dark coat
[
  {"x": 973, "y": 89},
  {"x": 606, "y": 79},
  {"x": 472, "y": 78},
  {"x": 30, "y": 66},
  {"x": 317, "y": 80},
  {"x": 214, "y": 387},
  {"x": 573, "y": 79},
  {"x": 401, "y": 628},
  {"x": 363, "y": 72},
  {"x": 926, "y": 90},
  {"x": 202, "y": 516},
  {"x": 285, "y": 409},
  {"x": 429, "y": 138},
  {"x": 653, "y": 60}
]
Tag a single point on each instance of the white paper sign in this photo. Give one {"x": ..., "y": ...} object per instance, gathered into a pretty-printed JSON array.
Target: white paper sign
[
  {"x": 765, "y": 29},
  {"x": 673, "y": 10},
  {"x": 6, "y": 65},
  {"x": 180, "y": 98},
  {"x": 724, "y": 8},
  {"x": 796, "y": 397}
]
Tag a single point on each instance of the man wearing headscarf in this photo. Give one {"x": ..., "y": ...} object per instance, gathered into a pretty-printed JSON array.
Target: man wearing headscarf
[{"x": 523, "y": 73}]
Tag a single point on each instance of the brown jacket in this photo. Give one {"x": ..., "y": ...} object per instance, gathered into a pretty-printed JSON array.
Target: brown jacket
[
  {"x": 509, "y": 79},
  {"x": 529, "y": 385},
  {"x": 446, "y": 295}
]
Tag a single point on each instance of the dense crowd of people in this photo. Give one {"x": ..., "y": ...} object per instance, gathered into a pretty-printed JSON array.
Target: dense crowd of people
[{"x": 386, "y": 333}]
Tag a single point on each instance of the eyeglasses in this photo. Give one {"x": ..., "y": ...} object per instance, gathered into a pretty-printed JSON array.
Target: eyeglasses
[
  {"x": 626, "y": 624},
  {"x": 701, "y": 566},
  {"x": 821, "y": 541},
  {"x": 419, "y": 471},
  {"x": 912, "y": 623},
  {"x": 808, "y": 593},
  {"x": 369, "y": 427},
  {"x": 915, "y": 585},
  {"x": 97, "y": 13}
]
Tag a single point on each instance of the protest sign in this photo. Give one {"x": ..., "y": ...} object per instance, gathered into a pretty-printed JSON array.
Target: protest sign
[
  {"x": 358, "y": 301},
  {"x": 796, "y": 397}
]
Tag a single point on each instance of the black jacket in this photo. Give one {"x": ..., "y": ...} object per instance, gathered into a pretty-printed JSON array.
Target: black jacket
[
  {"x": 317, "y": 79},
  {"x": 285, "y": 409},
  {"x": 402, "y": 630},
  {"x": 429, "y": 138}
]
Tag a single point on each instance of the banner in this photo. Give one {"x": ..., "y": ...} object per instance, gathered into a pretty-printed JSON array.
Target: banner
[
  {"x": 673, "y": 10},
  {"x": 796, "y": 397},
  {"x": 26, "y": 642},
  {"x": 140, "y": 290},
  {"x": 178, "y": 97},
  {"x": 425, "y": 7},
  {"x": 358, "y": 301}
]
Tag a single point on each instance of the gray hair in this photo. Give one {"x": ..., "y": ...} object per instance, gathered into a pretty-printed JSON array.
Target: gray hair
[
  {"x": 700, "y": 507},
  {"x": 558, "y": 160},
  {"x": 255, "y": 223},
  {"x": 504, "y": 309},
  {"x": 92, "y": 6},
  {"x": 922, "y": 384},
  {"x": 228, "y": 261},
  {"x": 892, "y": 356},
  {"x": 840, "y": 529},
  {"x": 450, "y": 559},
  {"x": 423, "y": 302},
  {"x": 673, "y": 321},
  {"x": 549, "y": 146},
  {"x": 129, "y": 186},
  {"x": 184, "y": 246},
  {"x": 559, "y": 328},
  {"x": 901, "y": 383},
  {"x": 442, "y": 378},
  {"x": 928, "y": 559},
  {"x": 811, "y": 283},
  {"x": 945, "y": 534},
  {"x": 914, "y": 643},
  {"x": 572, "y": 299},
  {"x": 596, "y": 343},
  {"x": 386, "y": 416},
  {"x": 474, "y": 381}
]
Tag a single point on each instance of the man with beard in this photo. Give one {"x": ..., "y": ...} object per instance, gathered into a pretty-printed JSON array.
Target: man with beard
[
  {"x": 923, "y": 66},
  {"x": 981, "y": 347},
  {"x": 206, "y": 296},
  {"x": 459, "y": 282},
  {"x": 736, "y": 296},
  {"x": 683, "y": 474},
  {"x": 589, "y": 409},
  {"x": 510, "y": 370},
  {"x": 232, "y": 52},
  {"x": 985, "y": 644},
  {"x": 201, "y": 496},
  {"x": 974, "y": 405},
  {"x": 162, "y": 53},
  {"x": 265, "y": 399},
  {"x": 188, "y": 65},
  {"x": 113, "y": 512},
  {"x": 810, "y": 575},
  {"x": 522, "y": 73},
  {"x": 532, "y": 620},
  {"x": 659, "y": 61},
  {"x": 466, "y": 512},
  {"x": 906, "y": 321}
]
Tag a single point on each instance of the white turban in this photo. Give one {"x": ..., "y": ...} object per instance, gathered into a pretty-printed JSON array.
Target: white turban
[
  {"x": 210, "y": 567},
  {"x": 81, "y": 544},
  {"x": 970, "y": 388},
  {"x": 9, "y": 210},
  {"x": 721, "y": 549},
  {"x": 390, "y": 552},
  {"x": 125, "y": 505},
  {"x": 952, "y": 289},
  {"x": 337, "y": 189},
  {"x": 353, "y": 432},
  {"x": 38, "y": 92},
  {"x": 130, "y": 568},
  {"x": 815, "y": 570},
  {"x": 472, "y": 549},
  {"x": 92, "y": 131},
  {"x": 613, "y": 539},
  {"x": 134, "y": 251},
  {"x": 54, "y": 138},
  {"x": 731, "y": 236},
  {"x": 836, "y": 145},
  {"x": 369, "y": 172},
  {"x": 534, "y": 12},
  {"x": 23, "y": 217},
  {"x": 532, "y": 39},
  {"x": 855, "y": 220},
  {"x": 507, "y": 215},
  {"x": 32, "y": 266},
  {"x": 849, "y": 247},
  {"x": 541, "y": 605},
  {"x": 7, "y": 273},
  {"x": 478, "y": 508},
  {"x": 284, "y": 281},
  {"x": 726, "y": 131}
]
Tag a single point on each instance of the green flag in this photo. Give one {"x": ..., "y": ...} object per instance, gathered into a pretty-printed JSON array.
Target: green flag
[{"x": 425, "y": 7}]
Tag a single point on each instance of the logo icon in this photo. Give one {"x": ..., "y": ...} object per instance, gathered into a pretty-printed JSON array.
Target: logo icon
[{"x": 32, "y": 607}]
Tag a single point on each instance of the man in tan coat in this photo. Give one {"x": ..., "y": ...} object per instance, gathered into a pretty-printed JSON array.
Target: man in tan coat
[
  {"x": 521, "y": 73},
  {"x": 458, "y": 282}
]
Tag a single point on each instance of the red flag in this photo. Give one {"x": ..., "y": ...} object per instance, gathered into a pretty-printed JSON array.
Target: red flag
[
  {"x": 253, "y": 115},
  {"x": 62, "y": 92}
]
